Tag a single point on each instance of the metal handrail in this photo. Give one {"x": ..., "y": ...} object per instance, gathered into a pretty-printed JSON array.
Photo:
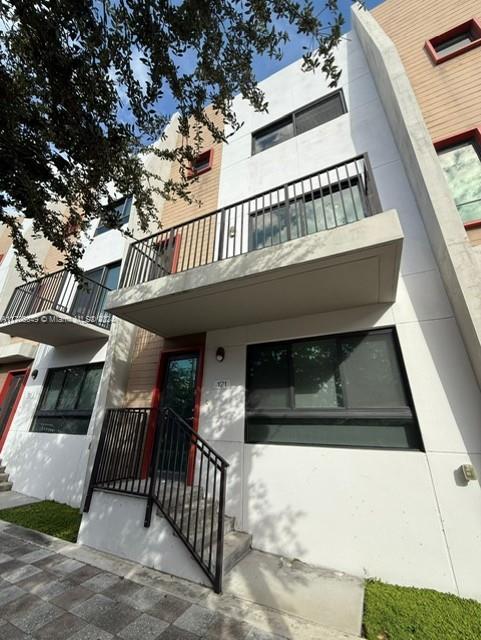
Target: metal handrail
[
  {"x": 156, "y": 455},
  {"x": 336, "y": 195},
  {"x": 61, "y": 291}
]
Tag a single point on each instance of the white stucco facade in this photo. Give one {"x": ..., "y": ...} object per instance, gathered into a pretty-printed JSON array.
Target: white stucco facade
[{"x": 395, "y": 515}]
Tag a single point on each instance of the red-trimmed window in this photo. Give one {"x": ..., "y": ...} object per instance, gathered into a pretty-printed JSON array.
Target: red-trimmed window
[
  {"x": 460, "y": 158},
  {"x": 454, "y": 42},
  {"x": 202, "y": 163}
]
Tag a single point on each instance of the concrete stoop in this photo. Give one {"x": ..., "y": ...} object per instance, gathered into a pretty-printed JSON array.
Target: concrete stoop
[
  {"x": 5, "y": 485},
  {"x": 329, "y": 598}
]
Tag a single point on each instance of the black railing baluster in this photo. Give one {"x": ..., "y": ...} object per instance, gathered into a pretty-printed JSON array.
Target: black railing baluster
[
  {"x": 130, "y": 461},
  {"x": 60, "y": 292},
  {"x": 290, "y": 210}
]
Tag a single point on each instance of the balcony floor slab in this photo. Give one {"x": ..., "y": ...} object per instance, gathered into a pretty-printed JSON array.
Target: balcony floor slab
[
  {"x": 349, "y": 266},
  {"x": 53, "y": 328}
]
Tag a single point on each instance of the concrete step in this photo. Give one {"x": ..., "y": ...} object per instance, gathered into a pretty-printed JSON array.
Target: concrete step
[
  {"x": 3, "y": 476},
  {"x": 325, "y": 597},
  {"x": 229, "y": 523},
  {"x": 237, "y": 544},
  {"x": 6, "y": 486}
]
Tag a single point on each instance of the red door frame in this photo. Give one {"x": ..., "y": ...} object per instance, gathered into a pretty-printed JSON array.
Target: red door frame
[
  {"x": 157, "y": 397},
  {"x": 3, "y": 394}
]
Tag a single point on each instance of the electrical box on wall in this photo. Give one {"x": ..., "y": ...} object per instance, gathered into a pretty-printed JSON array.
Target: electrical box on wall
[{"x": 469, "y": 472}]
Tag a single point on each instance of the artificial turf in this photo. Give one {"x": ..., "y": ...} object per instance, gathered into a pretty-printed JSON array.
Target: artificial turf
[
  {"x": 59, "y": 520},
  {"x": 406, "y": 613}
]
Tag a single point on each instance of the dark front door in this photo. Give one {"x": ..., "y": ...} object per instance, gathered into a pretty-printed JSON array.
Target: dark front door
[
  {"x": 8, "y": 400},
  {"x": 178, "y": 393}
]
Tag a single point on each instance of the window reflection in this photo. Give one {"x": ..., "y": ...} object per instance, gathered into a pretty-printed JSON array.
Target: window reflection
[{"x": 462, "y": 167}]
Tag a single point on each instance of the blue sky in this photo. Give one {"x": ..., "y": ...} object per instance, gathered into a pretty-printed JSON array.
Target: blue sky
[{"x": 265, "y": 67}]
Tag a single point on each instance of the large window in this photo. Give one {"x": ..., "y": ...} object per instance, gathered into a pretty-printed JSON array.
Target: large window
[
  {"x": 461, "y": 163},
  {"x": 67, "y": 400},
  {"x": 345, "y": 390},
  {"x": 300, "y": 121},
  {"x": 115, "y": 217},
  {"x": 91, "y": 300}
]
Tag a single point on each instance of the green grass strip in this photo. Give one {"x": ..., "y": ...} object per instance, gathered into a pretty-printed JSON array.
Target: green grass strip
[
  {"x": 407, "y": 613},
  {"x": 50, "y": 517}
]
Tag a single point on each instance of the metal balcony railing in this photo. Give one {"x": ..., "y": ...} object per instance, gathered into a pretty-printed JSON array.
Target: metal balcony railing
[
  {"x": 60, "y": 291},
  {"x": 156, "y": 455},
  {"x": 332, "y": 197}
]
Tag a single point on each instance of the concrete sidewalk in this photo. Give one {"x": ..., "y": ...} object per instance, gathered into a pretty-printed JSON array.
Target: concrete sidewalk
[
  {"x": 10, "y": 499},
  {"x": 53, "y": 590}
]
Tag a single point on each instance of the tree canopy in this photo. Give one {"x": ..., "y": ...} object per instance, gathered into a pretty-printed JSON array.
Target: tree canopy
[{"x": 77, "y": 120}]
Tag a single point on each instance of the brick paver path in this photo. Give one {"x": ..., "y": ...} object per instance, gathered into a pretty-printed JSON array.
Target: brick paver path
[{"x": 45, "y": 595}]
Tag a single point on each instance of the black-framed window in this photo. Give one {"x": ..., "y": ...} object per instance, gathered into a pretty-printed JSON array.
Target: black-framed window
[
  {"x": 341, "y": 390},
  {"x": 67, "y": 400},
  {"x": 300, "y": 121},
  {"x": 116, "y": 216},
  {"x": 333, "y": 206},
  {"x": 90, "y": 299}
]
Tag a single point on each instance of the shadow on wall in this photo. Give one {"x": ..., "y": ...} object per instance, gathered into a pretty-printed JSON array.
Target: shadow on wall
[{"x": 46, "y": 466}]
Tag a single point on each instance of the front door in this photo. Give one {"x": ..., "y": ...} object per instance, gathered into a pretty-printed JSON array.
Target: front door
[
  {"x": 178, "y": 393},
  {"x": 9, "y": 398}
]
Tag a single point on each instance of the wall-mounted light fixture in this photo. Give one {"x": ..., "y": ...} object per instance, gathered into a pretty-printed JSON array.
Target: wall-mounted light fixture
[
  {"x": 220, "y": 354},
  {"x": 34, "y": 374}
]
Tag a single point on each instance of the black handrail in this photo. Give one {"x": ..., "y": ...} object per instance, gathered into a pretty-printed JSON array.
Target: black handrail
[
  {"x": 155, "y": 454},
  {"x": 332, "y": 197},
  {"x": 83, "y": 299}
]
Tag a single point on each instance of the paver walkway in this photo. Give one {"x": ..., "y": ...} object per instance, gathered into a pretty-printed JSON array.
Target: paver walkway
[{"x": 45, "y": 594}]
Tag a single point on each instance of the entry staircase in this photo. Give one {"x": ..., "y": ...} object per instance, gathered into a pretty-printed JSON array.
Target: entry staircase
[
  {"x": 157, "y": 456},
  {"x": 5, "y": 485}
]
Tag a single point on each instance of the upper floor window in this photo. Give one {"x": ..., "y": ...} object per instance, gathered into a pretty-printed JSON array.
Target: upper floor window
[
  {"x": 68, "y": 400},
  {"x": 454, "y": 42},
  {"x": 339, "y": 390},
  {"x": 460, "y": 158},
  {"x": 120, "y": 214},
  {"x": 299, "y": 121},
  {"x": 202, "y": 163}
]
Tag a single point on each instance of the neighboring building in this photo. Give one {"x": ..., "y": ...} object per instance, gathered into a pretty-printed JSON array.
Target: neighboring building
[
  {"x": 16, "y": 354},
  {"x": 439, "y": 42},
  {"x": 299, "y": 327}
]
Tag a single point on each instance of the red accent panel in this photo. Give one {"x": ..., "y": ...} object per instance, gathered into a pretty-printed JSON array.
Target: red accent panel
[
  {"x": 473, "y": 25},
  {"x": 457, "y": 138},
  {"x": 205, "y": 155},
  {"x": 3, "y": 394}
]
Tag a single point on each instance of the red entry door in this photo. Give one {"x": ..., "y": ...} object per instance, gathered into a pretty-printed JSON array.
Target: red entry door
[{"x": 9, "y": 398}]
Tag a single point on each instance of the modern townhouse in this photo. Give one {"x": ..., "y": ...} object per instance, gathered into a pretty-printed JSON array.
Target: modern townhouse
[{"x": 288, "y": 367}]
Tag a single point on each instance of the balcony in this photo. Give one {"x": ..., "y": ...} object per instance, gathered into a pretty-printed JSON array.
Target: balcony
[
  {"x": 58, "y": 310},
  {"x": 316, "y": 244}
]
